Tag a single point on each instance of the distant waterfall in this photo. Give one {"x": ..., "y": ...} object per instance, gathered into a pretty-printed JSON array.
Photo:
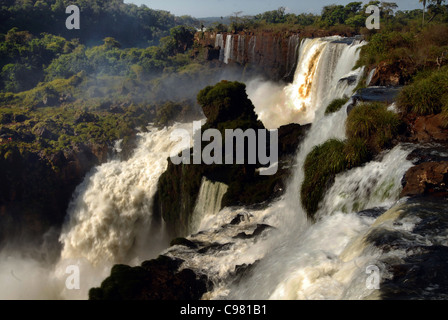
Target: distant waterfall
[
  {"x": 252, "y": 45},
  {"x": 293, "y": 51},
  {"x": 241, "y": 47},
  {"x": 208, "y": 202},
  {"x": 228, "y": 51},
  {"x": 219, "y": 42}
]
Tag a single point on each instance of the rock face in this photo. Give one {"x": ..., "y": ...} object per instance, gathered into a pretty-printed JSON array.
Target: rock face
[
  {"x": 427, "y": 129},
  {"x": 427, "y": 178},
  {"x": 158, "y": 279},
  {"x": 387, "y": 74},
  {"x": 35, "y": 189}
]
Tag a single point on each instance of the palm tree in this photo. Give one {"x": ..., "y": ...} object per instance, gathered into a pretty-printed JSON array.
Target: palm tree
[{"x": 424, "y": 9}]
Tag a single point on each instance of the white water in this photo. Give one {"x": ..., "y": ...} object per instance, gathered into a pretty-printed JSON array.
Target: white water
[
  {"x": 208, "y": 203},
  {"x": 228, "y": 51},
  {"x": 321, "y": 64},
  {"x": 110, "y": 222},
  {"x": 252, "y": 46},
  {"x": 219, "y": 42},
  {"x": 241, "y": 47}
]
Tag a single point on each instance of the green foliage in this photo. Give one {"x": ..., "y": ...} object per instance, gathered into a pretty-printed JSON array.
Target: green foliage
[
  {"x": 427, "y": 95},
  {"x": 336, "y": 105},
  {"x": 130, "y": 24},
  {"x": 321, "y": 166},
  {"x": 373, "y": 124}
]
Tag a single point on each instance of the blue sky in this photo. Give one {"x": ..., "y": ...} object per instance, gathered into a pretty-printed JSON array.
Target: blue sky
[{"x": 217, "y": 8}]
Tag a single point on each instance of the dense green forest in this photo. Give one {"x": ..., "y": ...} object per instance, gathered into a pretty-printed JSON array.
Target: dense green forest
[{"x": 131, "y": 25}]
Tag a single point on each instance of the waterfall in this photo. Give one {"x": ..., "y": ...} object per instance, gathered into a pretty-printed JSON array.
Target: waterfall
[
  {"x": 219, "y": 42},
  {"x": 228, "y": 51},
  {"x": 293, "y": 49},
  {"x": 323, "y": 64},
  {"x": 110, "y": 216},
  {"x": 376, "y": 184},
  {"x": 252, "y": 46},
  {"x": 208, "y": 202},
  {"x": 241, "y": 48}
]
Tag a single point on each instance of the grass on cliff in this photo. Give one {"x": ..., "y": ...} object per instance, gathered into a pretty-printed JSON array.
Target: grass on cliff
[
  {"x": 336, "y": 105},
  {"x": 373, "y": 124},
  {"x": 370, "y": 129},
  {"x": 428, "y": 94}
]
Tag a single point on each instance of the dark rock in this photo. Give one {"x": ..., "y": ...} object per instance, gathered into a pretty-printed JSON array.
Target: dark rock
[
  {"x": 45, "y": 133},
  {"x": 215, "y": 247},
  {"x": 428, "y": 153},
  {"x": 258, "y": 231},
  {"x": 158, "y": 279},
  {"x": 377, "y": 94},
  {"x": 240, "y": 218},
  {"x": 422, "y": 276},
  {"x": 184, "y": 242},
  {"x": 86, "y": 117},
  {"x": 350, "y": 80}
]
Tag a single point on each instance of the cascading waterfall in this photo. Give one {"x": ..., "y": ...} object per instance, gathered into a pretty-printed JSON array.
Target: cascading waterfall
[
  {"x": 252, "y": 46},
  {"x": 208, "y": 202},
  {"x": 241, "y": 47},
  {"x": 219, "y": 42},
  {"x": 293, "y": 50},
  {"x": 323, "y": 64},
  {"x": 228, "y": 51},
  {"x": 111, "y": 212},
  {"x": 110, "y": 221}
]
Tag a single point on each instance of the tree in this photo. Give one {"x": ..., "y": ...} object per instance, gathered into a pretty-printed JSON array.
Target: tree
[
  {"x": 333, "y": 15},
  {"x": 424, "y": 10}
]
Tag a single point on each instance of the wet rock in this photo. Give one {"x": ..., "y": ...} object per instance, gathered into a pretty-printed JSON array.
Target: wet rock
[
  {"x": 428, "y": 153},
  {"x": 158, "y": 279},
  {"x": 215, "y": 247},
  {"x": 426, "y": 178},
  {"x": 377, "y": 94},
  {"x": 421, "y": 276},
  {"x": 258, "y": 231},
  {"x": 184, "y": 242}
]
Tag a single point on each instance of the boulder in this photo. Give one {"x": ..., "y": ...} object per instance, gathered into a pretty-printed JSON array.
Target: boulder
[
  {"x": 159, "y": 279},
  {"x": 426, "y": 178}
]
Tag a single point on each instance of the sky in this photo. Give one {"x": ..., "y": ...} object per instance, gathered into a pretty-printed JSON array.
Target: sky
[{"x": 218, "y": 8}]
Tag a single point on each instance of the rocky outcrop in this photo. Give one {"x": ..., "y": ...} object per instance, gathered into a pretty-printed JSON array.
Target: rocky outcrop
[
  {"x": 426, "y": 178},
  {"x": 427, "y": 129},
  {"x": 159, "y": 279},
  {"x": 389, "y": 74}
]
